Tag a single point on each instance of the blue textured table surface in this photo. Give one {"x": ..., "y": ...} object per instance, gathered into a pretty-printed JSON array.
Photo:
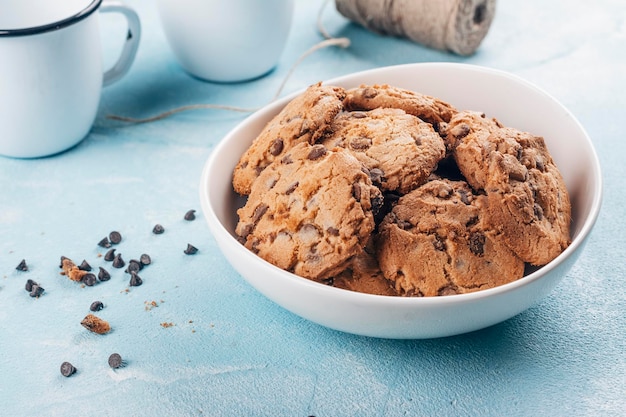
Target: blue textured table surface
[{"x": 197, "y": 340}]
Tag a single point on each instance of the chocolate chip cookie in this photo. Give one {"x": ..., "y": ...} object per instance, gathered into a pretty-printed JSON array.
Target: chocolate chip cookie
[
  {"x": 399, "y": 149},
  {"x": 435, "y": 242},
  {"x": 529, "y": 203},
  {"x": 310, "y": 211},
  {"x": 430, "y": 109},
  {"x": 364, "y": 275},
  {"x": 304, "y": 119}
]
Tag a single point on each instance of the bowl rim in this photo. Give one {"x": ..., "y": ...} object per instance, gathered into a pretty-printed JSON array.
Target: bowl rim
[{"x": 273, "y": 108}]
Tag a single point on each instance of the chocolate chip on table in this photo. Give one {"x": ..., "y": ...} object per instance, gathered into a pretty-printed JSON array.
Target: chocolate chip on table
[
  {"x": 89, "y": 280},
  {"x": 191, "y": 250},
  {"x": 63, "y": 258},
  {"x": 118, "y": 262},
  {"x": 29, "y": 285},
  {"x": 84, "y": 266},
  {"x": 103, "y": 275},
  {"x": 67, "y": 369},
  {"x": 115, "y": 361},
  {"x": 96, "y": 306},
  {"x": 145, "y": 259},
  {"x": 190, "y": 215},
  {"x": 104, "y": 243},
  {"x": 134, "y": 266},
  {"x": 115, "y": 237},
  {"x": 158, "y": 229},
  {"x": 36, "y": 291},
  {"x": 110, "y": 255},
  {"x": 22, "y": 266},
  {"x": 135, "y": 280}
]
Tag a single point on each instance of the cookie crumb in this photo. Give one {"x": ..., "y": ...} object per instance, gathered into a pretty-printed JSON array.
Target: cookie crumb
[
  {"x": 95, "y": 324},
  {"x": 166, "y": 324}
]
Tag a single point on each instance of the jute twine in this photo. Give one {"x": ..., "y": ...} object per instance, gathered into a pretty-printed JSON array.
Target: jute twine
[{"x": 458, "y": 26}]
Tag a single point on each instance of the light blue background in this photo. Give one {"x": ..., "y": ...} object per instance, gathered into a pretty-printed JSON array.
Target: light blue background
[{"x": 232, "y": 352}]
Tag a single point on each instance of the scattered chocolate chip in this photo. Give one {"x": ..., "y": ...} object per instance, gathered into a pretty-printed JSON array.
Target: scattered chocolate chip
[
  {"x": 359, "y": 115},
  {"x": 460, "y": 131},
  {"x": 118, "y": 262},
  {"x": 259, "y": 211},
  {"x": 22, "y": 266},
  {"x": 356, "y": 191},
  {"x": 104, "y": 243},
  {"x": 447, "y": 290},
  {"x": 477, "y": 244},
  {"x": 333, "y": 231},
  {"x": 145, "y": 259},
  {"x": 89, "y": 280},
  {"x": 135, "y": 280},
  {"x": 538, "y": 211},
  {"x": 465, "y": 197},
  {"x": 103, "y": 275},
  {"x": 29, "y": 285},
  {"x": 361, "y": 143},
  {"x": 191, "y": 250},
  {"x": 36, "y": 291},
  {"x": 286, "y": 160},
  {"x": 376, "y": 175},
  {"x": 276, "y": 147},
  {"x": 67, "y": 369},
  {"x": 96, "y": 306},
  {"x": 292, "y": 188},
  {"x": 369, "y": 93},
  {"x": 134, "y": 266},
  {"x": 115, "y": 237},
  {"x": 439, "y": 243},
  {"x": 115, "y": 361},
  {"x": 317, "y": 152},
  {"x": 110, "y": 255},
  {"x": 63, "y": 258},
  {"x": 377, "y": 204},
  {"x": 158, "y": 229},
  {"x": 84, "y": 266},
  {"x": 190, "y": 215}
]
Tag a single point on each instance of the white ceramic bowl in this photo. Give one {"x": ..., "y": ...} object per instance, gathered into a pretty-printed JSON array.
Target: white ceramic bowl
[{"x": 514, "y": 102}]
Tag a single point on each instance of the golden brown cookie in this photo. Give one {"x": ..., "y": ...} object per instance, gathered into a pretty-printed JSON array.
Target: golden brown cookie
[
  {"x": 435, "y": 242},
  {"x": 529, "y": 202},
  {"x": 364, "y": 275},
  {"x": 399, "y": 149},
  {"x": 310, "y": 211},
  {"x": 304, "y": 119},
  {"x": 427, "y": 108}
]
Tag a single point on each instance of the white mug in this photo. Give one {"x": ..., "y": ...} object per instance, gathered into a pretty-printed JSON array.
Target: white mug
[
  {"x": 51, "y": 73},
  {"x": 226, "y": 40}
]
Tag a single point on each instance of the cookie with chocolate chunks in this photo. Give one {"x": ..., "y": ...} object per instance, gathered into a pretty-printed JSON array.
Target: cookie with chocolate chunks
[
  {"x": 435, "y": 242},
  {"x": 529, "y": 202},
  {"x": 399, "y": 149},
  {"x": 310, "y": 212},
  {"x": 304, "y": 119}
]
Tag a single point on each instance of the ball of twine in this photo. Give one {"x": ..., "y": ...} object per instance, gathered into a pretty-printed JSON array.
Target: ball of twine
[{"x": 458, "y": 26}]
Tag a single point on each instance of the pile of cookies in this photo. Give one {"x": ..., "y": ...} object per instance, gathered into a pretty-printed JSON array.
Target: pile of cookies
[{"x": 387, "y": 191}]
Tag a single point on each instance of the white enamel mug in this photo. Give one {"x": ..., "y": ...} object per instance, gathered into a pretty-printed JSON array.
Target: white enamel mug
[
  {"x": 226, "y": 40},
  {"x": 51, "y": 72}
]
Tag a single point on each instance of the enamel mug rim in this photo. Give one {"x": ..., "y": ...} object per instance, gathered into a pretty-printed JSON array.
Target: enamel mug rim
[{"x": 49, "y": 27}]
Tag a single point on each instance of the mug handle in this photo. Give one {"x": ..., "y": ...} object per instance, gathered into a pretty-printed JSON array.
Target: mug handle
[{"x": 131, "y": 44}]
